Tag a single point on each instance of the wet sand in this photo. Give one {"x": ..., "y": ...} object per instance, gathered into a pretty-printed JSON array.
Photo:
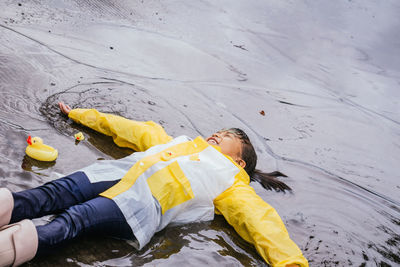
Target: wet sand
[{"x": 315, "y": 84}]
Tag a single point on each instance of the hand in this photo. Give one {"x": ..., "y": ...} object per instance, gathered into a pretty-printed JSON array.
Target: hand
[{"x": 64, "y": 108}]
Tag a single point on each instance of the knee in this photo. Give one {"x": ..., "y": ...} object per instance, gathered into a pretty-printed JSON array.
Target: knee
[
  {"x": 64, "y": 227},
  {"x": 76, "y": 185},
  {"x": 53, "y": 235}
]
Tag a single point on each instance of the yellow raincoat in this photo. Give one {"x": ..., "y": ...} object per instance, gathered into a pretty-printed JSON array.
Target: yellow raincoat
[{"x": 167, "y": 169}]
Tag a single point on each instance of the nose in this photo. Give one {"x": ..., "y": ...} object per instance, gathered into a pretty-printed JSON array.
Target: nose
[{"x": 217, "y": 137}]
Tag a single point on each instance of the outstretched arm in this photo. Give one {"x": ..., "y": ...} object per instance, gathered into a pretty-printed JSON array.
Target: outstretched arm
[
  {"x": 137, "y": 135},
  {"x": 259, "y": 223}
]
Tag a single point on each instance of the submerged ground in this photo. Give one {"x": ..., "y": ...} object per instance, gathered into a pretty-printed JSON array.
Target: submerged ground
[{"x": 314, "y": 83}]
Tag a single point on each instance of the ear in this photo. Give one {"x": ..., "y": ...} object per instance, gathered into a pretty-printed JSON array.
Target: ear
[{"x": 241, "y": 162}]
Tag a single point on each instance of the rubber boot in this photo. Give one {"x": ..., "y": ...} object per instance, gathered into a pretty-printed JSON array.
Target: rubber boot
[
  {"x": 18, "y": 243},
  {"x": 6, "y": 206}
]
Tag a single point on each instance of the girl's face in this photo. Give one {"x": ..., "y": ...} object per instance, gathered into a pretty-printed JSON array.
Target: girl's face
[{"x": 230, "y": 145}]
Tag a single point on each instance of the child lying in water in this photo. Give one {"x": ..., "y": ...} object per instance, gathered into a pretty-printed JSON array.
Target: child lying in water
[{"x": 167, "y": 181}]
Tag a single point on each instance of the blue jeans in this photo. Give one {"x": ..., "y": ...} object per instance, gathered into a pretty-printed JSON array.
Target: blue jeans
[{"x": 79, "y": 207}]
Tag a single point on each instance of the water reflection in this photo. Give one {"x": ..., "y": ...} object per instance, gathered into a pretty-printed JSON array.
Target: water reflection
[
  {"x": 323, "y": 72},
  {"x": 391, "y": 249},
  {"x": 35, "y": 166},
  {"x": 224, "y": 247}
]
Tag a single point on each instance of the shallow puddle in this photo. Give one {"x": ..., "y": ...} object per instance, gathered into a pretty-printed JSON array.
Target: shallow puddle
[{"x": 314, "y": 84}]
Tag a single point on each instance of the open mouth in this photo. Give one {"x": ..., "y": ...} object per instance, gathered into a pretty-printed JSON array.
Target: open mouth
[{"x": 212, "y": 141}]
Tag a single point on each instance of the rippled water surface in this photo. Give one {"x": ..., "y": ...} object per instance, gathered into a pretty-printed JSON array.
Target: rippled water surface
[{"x": 314, "y": 83}]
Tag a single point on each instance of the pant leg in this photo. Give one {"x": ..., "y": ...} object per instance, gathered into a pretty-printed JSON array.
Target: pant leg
[
  {"x": 96, "y": 216},
  {"x": 56, "y": 196}
]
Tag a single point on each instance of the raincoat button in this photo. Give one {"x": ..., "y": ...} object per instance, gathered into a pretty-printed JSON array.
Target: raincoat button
[{"x": 166, "y": 155}]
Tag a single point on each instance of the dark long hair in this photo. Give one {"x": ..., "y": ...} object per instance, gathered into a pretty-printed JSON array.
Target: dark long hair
[{"x": 268, "y": 180}]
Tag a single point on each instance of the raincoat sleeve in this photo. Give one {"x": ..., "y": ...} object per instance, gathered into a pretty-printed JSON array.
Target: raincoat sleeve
[
  {"x": 136, "y": 135},
  {"x": 258, "y": 223}
]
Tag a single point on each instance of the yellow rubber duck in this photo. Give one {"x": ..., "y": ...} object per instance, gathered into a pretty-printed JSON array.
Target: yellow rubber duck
[
  {"x": 79, "y": 136},
  {"x": 37, "y": 150}
]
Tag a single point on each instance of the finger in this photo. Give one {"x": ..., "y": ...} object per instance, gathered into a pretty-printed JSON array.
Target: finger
[{"x": 62, "y": 106}]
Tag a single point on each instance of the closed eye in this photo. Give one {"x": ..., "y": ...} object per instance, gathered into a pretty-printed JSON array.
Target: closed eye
[{"x": 230, "y": 135}]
